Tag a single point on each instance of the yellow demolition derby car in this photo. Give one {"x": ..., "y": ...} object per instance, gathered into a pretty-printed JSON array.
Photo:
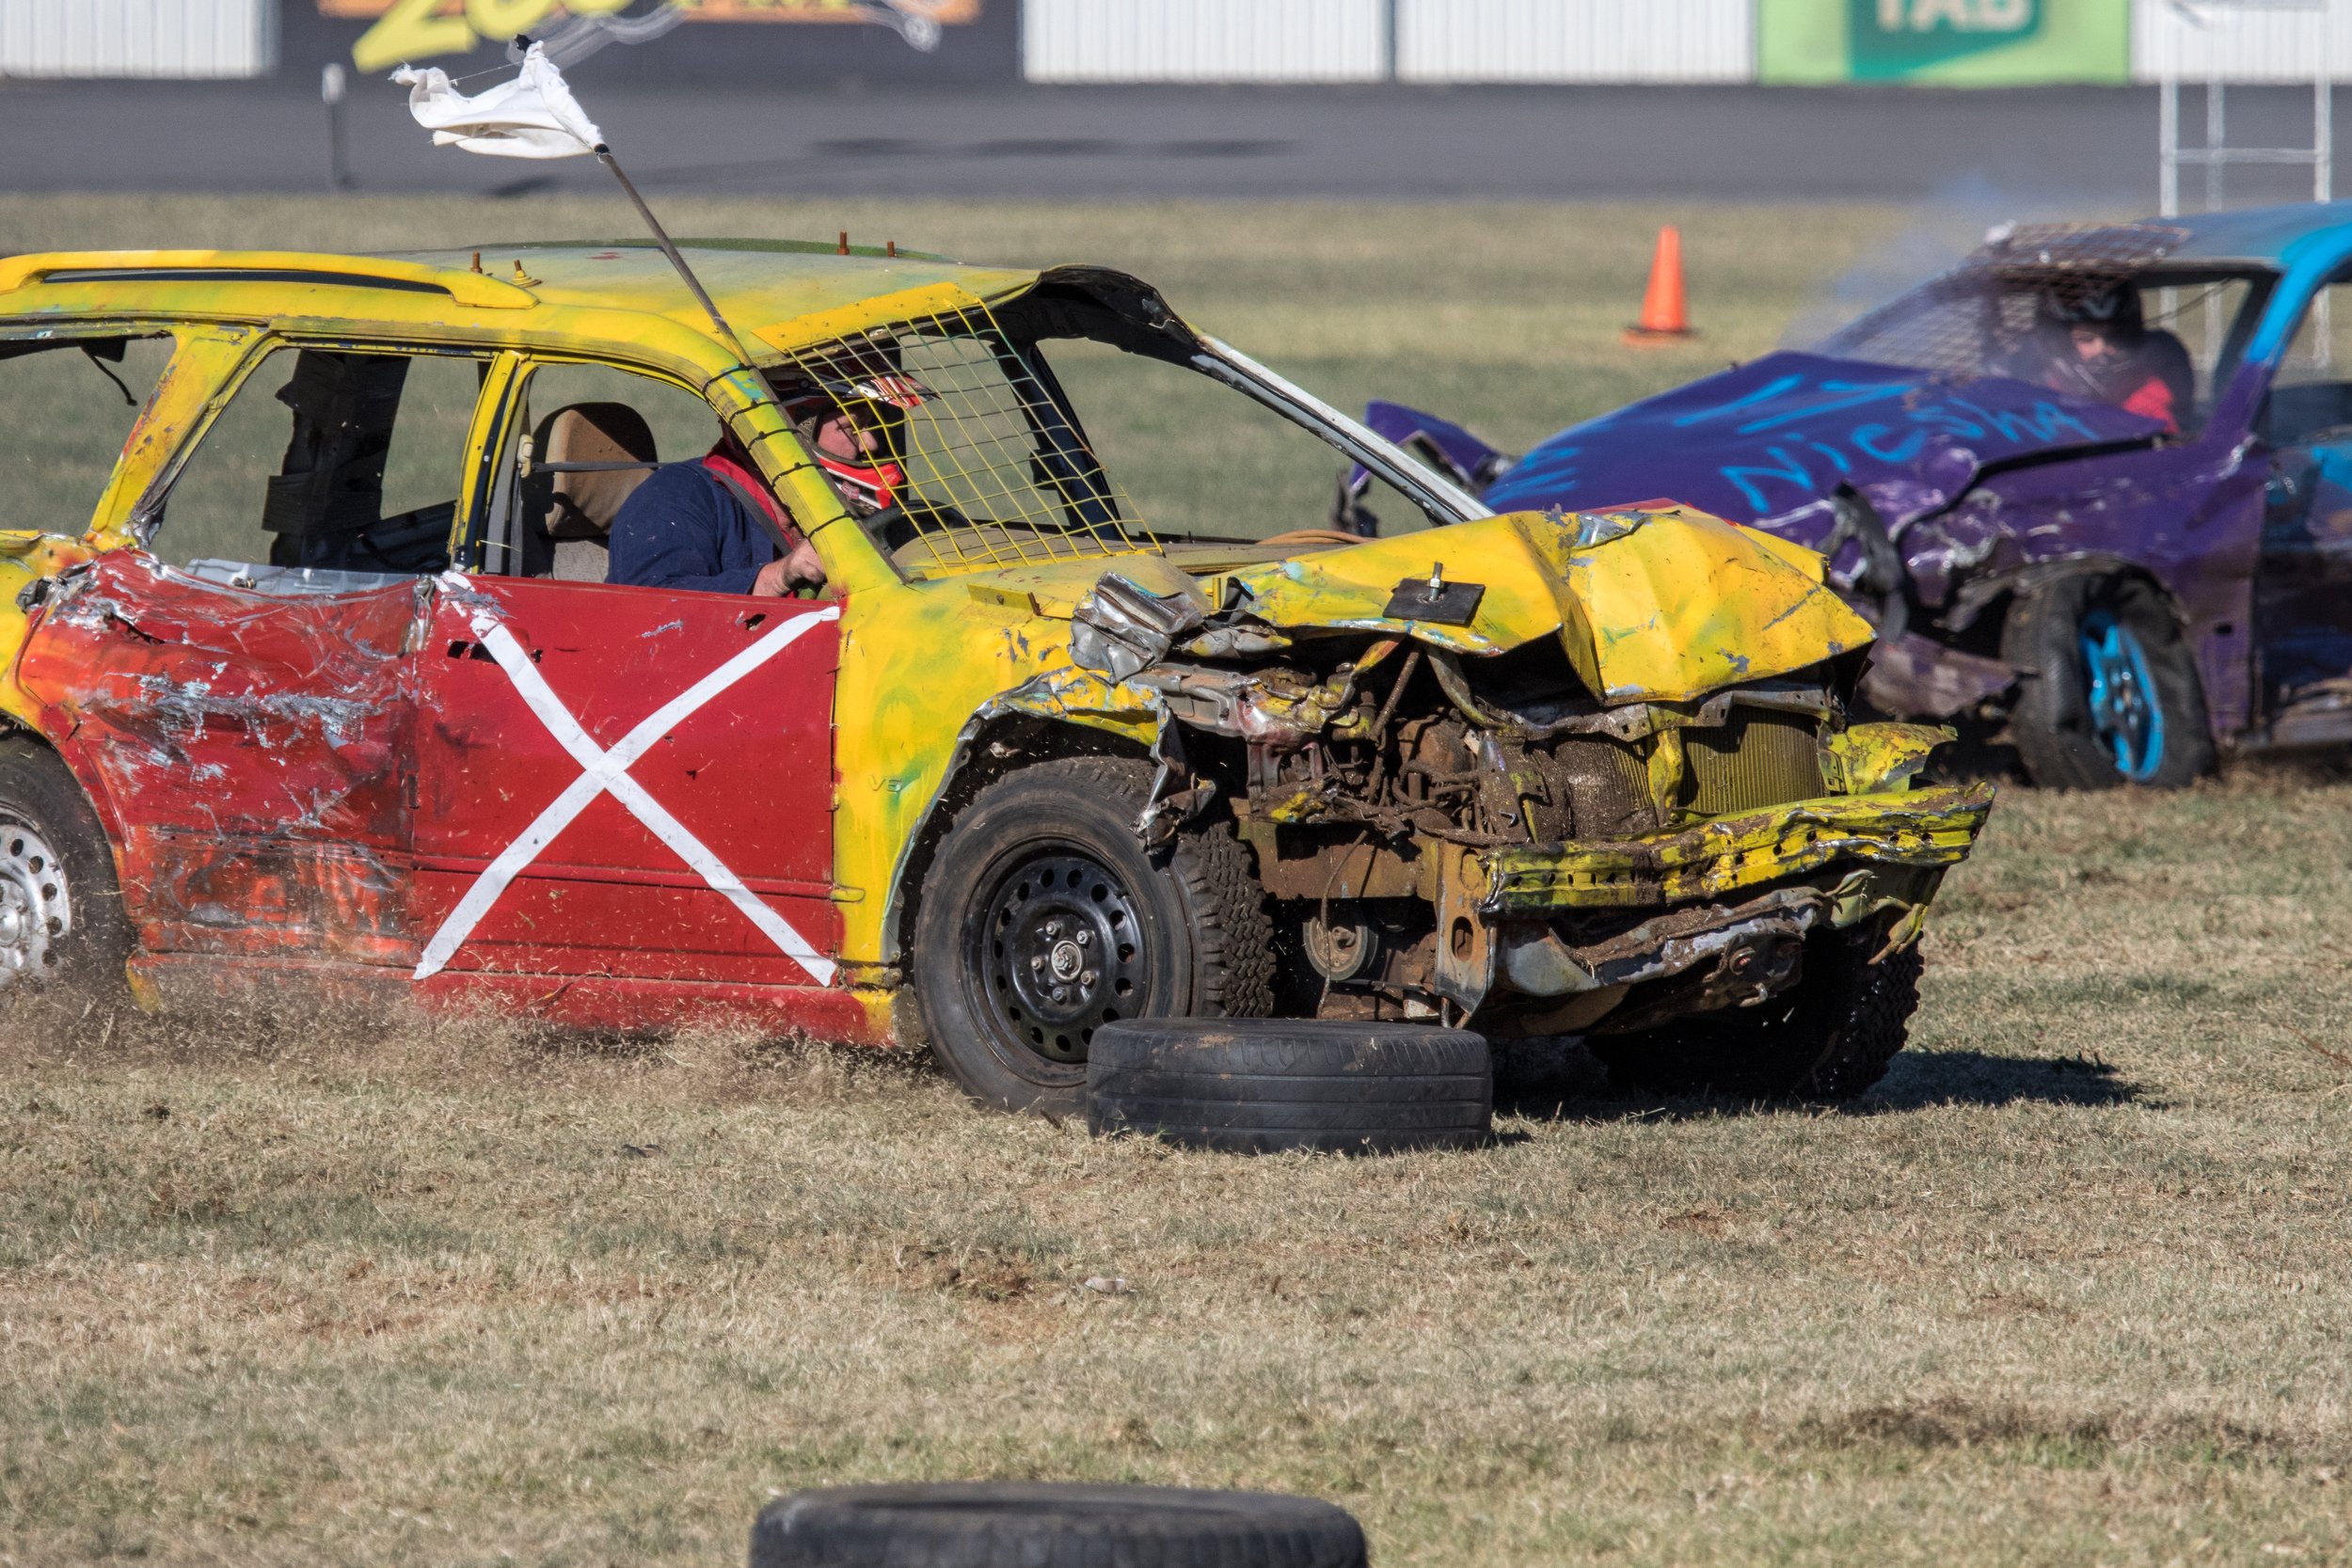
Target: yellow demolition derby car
[{"x": 314, "y": 676}]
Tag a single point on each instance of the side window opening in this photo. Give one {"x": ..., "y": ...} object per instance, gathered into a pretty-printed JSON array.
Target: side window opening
[
  {"x": 588, "y": 436},
  {"x": 326, "y": 465},
  {"x": 66, "y": 409},
  {"x": 2307, "y": 419},
  {"x": 2310, "y": 392}
]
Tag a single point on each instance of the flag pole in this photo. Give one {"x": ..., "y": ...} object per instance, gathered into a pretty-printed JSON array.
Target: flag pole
[
  {"x": 669, "y": 248},
  {"x": 500, "y": 120}
]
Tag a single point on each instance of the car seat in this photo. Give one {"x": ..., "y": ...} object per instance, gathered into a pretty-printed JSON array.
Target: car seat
[
  {"x": 593, "y": 457},
  {"x": 2169, "y": 358}
]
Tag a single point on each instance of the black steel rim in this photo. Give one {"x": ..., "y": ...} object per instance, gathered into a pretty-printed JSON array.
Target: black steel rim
[{"x": 1056, "y": 952}]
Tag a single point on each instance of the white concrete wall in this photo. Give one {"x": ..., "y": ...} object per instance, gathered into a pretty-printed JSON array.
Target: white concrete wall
[
  {"x": 1347, "y": 41},
  {"x": 1204, "y": 40},
  {"x": 1576, "y": 41},
  {"x": 138, "y": 38},
  {"x": 2249, "y": 44}
]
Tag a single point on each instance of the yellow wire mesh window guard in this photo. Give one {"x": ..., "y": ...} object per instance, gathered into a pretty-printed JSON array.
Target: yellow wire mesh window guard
[{"x": 991, "y": 470}]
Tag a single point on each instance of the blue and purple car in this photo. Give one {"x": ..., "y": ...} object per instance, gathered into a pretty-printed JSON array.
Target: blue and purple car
[{"x": 2122, "y": 594}]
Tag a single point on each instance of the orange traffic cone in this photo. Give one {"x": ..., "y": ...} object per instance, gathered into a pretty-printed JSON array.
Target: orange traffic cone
[{"x": 1665, "y": 314}]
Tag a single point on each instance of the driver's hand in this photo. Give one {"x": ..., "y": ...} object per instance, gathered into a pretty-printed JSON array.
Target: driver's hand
[{"x": 801, "y": 569}]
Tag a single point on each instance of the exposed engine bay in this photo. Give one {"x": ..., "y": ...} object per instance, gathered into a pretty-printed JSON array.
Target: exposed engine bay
[{"x": 1454, "y": 831}]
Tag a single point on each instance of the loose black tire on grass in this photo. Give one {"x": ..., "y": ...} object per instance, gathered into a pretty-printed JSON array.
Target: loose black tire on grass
[
  {"x": 1828, "y": 1037},
  {"x": 2052, "y": 722},
  {"x": 1045, "y": 1524},
  {"x": 1258, "y": 1086},
  {"x": 53, "y": 849},
  {"x": 1177, "y": 932}
]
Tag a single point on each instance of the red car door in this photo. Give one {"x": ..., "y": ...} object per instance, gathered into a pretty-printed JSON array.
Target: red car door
[
  {"x": 249, "y": 751},
  {"x": 630, "y": 785}
]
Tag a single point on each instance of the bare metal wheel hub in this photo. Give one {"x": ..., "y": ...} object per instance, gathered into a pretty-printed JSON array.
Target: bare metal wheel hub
[
  {"x": 35, "y": 910},
  {"x": 1060, "y": 953}
]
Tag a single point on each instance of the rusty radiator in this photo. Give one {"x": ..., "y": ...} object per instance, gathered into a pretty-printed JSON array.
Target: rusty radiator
[
  {"x": 1604, "y": 787},
  {"x": 1760, "y": 758}
]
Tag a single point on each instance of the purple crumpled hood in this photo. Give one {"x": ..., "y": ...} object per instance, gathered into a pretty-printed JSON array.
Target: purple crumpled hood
[{"x": 1769, "y": 441}]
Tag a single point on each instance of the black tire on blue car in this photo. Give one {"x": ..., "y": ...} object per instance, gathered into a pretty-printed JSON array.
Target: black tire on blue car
[{"x": 2108, "y": 692}]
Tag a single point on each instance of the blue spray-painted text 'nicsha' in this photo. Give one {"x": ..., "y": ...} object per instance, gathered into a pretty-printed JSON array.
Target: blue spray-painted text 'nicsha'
[{"x": 1776, "y": 435}]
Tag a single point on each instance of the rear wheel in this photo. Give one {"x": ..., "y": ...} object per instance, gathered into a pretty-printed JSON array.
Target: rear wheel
[
  {"x": 1044, "y": 918},
  {"x": 2108, "y": 692},
  {"x": 1829, "y": 1036},
  {"x": 63, "y": 934}
]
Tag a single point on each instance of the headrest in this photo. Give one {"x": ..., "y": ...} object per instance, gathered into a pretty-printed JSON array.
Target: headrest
[{"x": 582, "y": 505}]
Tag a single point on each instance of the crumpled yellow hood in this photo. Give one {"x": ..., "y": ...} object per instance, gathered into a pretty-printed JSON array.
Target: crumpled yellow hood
[{"x": 1661, "y": 606}]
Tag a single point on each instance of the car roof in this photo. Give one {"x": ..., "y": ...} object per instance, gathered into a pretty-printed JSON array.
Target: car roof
[
  {"x": 2269, "y": 236},
  {"x": 790, "y": 289}
]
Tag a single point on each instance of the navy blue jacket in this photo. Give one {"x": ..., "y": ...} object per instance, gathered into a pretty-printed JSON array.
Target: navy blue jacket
[{"x": 684, "y": 528}]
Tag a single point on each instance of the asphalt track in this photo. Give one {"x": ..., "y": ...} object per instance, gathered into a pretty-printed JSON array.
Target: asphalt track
[{"x": 2048, "y": 146}]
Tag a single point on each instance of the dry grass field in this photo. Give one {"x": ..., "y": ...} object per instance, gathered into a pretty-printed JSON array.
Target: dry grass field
[{"x": 2071, "y": 1287}]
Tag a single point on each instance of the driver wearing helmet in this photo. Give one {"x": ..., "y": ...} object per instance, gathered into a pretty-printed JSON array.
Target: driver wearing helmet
[
  {"x": 714, "y": 525},
  {"x": 2098, "y": 345}
]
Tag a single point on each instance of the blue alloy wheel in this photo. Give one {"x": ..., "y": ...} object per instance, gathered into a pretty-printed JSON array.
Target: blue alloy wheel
[{"x": 2125, "y": 713}]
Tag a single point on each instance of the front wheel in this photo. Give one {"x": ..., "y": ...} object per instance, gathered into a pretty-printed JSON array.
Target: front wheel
[
  {"x": 1829, "y": 1036},
  {"x": 1044, "y": 918},
  {"x": 2108, "y": 692}
]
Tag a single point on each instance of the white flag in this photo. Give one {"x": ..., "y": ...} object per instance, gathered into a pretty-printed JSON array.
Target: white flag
[{"x": 534, "y": 115}]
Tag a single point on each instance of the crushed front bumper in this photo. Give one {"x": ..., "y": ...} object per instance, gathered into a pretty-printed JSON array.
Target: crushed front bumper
[
  {"x": 1922, "y": 828},
  {"x": 1735, "y": 892}
]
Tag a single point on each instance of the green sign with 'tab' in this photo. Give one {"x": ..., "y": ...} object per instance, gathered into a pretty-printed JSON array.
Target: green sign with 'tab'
[
  {"x": 1893, "y": 38},
  {"x": 1944, "y": 42}
]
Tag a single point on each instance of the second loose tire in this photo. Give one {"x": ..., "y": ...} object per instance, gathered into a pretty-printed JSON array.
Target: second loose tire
[{"x": 1263, "y": 1085}]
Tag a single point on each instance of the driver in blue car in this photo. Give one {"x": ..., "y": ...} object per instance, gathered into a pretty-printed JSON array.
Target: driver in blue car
[{"x": 2099, "y": 345}]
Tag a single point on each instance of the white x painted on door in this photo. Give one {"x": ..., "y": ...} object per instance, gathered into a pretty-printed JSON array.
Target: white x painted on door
[{"x": 605, "y": 771}]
